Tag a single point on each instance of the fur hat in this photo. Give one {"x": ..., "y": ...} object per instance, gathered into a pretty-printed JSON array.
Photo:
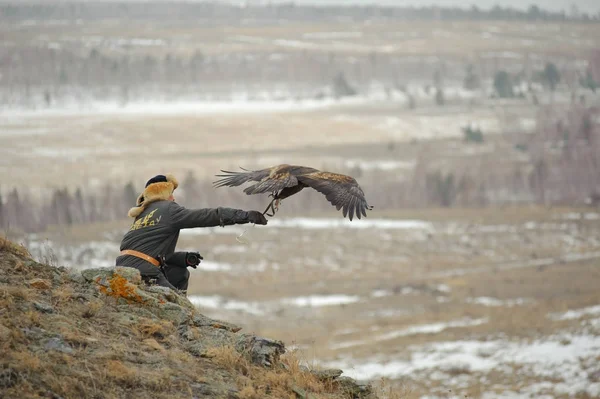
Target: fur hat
[{"x": 158, "y": 188}]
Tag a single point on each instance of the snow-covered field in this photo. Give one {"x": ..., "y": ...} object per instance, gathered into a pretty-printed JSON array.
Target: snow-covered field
[{"x": 36, "y": 147}]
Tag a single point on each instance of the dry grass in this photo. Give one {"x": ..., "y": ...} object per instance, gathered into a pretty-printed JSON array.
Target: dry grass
[
  {"x": 26, "y": 361},
  {"x": 160, "y": 329},
  {"x": 9, "y": 293},
  {"x": 92, "y": 309},
  {"x": 280, "y": 382},
  {"x": 228, "y": 358},
  {"x": 63, "y": 294},
  {"x": 122, "y": 374},
  {"x": 16, "y": 249}
]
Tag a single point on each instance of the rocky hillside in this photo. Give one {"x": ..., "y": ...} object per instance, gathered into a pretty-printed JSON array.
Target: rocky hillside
[{"x": 102, "y": 333}]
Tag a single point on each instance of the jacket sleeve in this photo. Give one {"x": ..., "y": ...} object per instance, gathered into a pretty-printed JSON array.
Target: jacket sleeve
[{"x": 184, "y": 218}]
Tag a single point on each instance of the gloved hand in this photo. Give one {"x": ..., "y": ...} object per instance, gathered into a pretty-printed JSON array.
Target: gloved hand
[{"x": 256, "y": 217}]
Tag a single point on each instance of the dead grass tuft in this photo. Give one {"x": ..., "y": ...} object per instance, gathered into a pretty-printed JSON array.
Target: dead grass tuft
[
  {"x": 303, "y": 378},
  {"x": 281, "y": 382},
  {"x": 228, "y": 358},
  {"x": 385, "y": 389},
  {"x": 25, "y": 361},
  {"x": 32, "y": 318},
  {"x": 160, "y": 329},
  {"x": 8, "y": 293},
  {"x": 248, "y": 392},
  {"x": 152, "y": 343},
  {"x": 91, "y": 309},
  {"x": 16, "y": 249},
  {"x": 122, "y": 374},
  {"x": 62, "y": 295}
]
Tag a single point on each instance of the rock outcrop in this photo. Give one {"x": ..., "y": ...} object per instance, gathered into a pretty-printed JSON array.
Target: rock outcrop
[{"x": 103, "y": 333}]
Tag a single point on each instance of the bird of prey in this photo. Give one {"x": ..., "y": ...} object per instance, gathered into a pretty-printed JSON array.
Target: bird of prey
[{"x": 282, "y": 181}]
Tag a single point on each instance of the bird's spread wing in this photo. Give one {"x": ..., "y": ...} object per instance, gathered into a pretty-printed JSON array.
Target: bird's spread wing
[
  {"x": 342, "y": 191},
  {"x": 234, "y": 179},
  {"x": 269, "y": 180}
]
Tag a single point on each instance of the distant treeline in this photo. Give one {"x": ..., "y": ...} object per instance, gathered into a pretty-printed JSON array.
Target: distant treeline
[
  {"x": 562, "y": 167},
  {"x": 40, "y": 77},
  {"x": 213, "y": 13}
]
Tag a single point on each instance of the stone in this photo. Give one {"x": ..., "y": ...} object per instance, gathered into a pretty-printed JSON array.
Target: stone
[
  {"x": 355, "y": 389},
  {"x": 167, "y": 294},
  {"x": 301, "y": 393},
  {"x": 203, "y": 390},
  {"x": 202, "y": 321},
  {"x": 328, "y": 374},
  {"x": 197, "y": 348},
  {"x": 122, "y": 318},
  {"x": 172, "y": 312},
  {"x": 261, "y": 351},
  {"x": 76, "y": 277},
  {"x": 57, "y": 344},
  {"x": 131, "y": 274},
  {"x": 104, "y": 273},
  {"x": 35, "y": 333},
  {"x": 40, "y": 284},
  {"x": 43, "y": 307},
  {"x": 214, "y": 337},
  {"x": 137, "y": 311},
  {"x": 188, "y": 333}
]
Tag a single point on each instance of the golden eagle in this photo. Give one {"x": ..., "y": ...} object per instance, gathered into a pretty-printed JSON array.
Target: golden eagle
[{"x": 284, "y": 180}]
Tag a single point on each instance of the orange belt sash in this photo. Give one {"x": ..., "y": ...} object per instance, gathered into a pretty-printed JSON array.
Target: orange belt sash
[{"x": 141, "y": 255}]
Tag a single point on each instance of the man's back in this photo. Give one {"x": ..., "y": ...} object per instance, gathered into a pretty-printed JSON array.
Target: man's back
[{"x": 153, "y": 233}]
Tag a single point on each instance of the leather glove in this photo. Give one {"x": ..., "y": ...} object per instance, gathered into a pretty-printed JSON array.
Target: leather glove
[{"x": 256, "y": 217}]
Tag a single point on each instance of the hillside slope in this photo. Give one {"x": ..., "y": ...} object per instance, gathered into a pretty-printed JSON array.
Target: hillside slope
[{"x": 101, "y": 333}]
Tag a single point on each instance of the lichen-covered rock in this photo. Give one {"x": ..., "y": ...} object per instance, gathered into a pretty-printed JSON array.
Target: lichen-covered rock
[
  {"x": 104, "y": 273},
  {"x": 131, "y": 274},
  {"x": 76, "y": 277},
  {"x": 137, "y": 311},
  {"x": 261, "y": 351},
  {"x": 200, "y": 320},
  {"x": 328, "y": 374},
  {"x": 168, "y": 295},
  {"x": 57, "y": 344},
  {"x": 173, "y": 312},
  {"x": 355, "y": 389}
]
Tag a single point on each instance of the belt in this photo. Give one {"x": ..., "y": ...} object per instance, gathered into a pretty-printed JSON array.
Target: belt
[{"x": 141, "y": 255}]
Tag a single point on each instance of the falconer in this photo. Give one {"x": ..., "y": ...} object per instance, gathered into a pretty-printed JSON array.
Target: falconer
[{"x": 155, "y": 230}]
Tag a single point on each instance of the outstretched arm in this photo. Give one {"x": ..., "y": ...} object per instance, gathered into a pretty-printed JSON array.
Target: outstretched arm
[{"x": 184, "y": 218}]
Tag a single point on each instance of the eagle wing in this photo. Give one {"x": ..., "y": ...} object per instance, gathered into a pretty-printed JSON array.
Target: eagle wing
[
  {"x": 269, "y": 180},
  {"x": 341, "y": 191}
]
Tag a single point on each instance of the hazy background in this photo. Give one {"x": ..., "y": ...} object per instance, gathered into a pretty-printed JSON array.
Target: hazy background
[{"x": 473, "y": 131}]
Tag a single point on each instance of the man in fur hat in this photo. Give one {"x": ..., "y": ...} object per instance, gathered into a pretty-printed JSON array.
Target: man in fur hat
[{"x": 155, "y": 230}]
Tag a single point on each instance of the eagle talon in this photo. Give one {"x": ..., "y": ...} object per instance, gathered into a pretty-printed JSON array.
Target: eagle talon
[{"x": 271, "y": 207}]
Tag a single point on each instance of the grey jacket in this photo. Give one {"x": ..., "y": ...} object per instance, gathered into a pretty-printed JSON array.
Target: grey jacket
[{"x": 156, "y": 230}]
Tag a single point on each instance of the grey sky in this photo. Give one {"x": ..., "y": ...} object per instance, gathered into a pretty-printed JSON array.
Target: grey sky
[{"x": 590, "y": 6}]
